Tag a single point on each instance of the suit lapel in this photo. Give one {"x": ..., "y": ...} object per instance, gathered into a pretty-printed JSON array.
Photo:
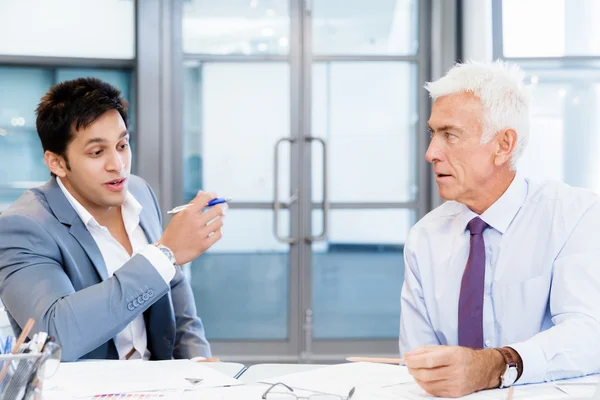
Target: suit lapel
[
  {"x": 85, "y": 239},
  {"x": 150, "y": 228},
  {"x": 65, "y": 213}
]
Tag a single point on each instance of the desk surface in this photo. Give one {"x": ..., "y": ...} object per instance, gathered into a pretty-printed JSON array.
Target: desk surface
[
  {"x": 261, "y": 372},
  {"x": 570, "y": 389}
]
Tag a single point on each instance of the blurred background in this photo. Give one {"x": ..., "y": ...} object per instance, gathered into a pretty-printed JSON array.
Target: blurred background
[{"x": 311, "y": 115}]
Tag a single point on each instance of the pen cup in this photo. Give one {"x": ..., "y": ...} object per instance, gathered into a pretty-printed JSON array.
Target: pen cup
[{"x": 25, "y": 372}]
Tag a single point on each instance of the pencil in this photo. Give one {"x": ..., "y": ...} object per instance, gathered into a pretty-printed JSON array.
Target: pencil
[{"x": 17, "y": 346}]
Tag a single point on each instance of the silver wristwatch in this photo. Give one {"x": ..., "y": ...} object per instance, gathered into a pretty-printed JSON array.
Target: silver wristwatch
[{"x": 167, "y": 252}]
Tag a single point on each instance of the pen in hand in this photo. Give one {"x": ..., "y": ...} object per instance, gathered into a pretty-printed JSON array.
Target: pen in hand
[{"x": 211, "y": 203}]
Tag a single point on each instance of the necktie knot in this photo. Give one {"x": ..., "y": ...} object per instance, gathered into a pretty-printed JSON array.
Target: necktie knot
[{"x": 477, "y": 226}]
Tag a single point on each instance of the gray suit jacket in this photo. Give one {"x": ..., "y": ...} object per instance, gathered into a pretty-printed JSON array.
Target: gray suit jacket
[{"x": 52, "y": 270}]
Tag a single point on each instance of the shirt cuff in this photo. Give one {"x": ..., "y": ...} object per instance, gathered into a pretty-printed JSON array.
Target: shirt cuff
[
  {"x": 534, "y": 362},
  {"x": 163, "y": 265}
]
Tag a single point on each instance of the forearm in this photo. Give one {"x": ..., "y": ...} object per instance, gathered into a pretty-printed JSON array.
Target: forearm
[
  {"x": 494, "y": 365},
  {"x": 83, "y": 320},
  {"x": 568, "y": 349}
]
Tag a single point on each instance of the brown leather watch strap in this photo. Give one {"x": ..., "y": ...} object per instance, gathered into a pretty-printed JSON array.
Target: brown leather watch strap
[{"x": 510, "y": 360}]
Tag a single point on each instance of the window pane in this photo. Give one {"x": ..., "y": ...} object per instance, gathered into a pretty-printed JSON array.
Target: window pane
[
  {"x": 367, "y": 112},
  {"x": 550, "y": 28},
  {"x": 358, "y": 273},
  {"x": 20, "y": 92},
  {"x": 236, "y": 26},
  {"x": 68, "y": 28},
  {"x": 365, "y": 27},
  {"x": 234, "y": 113},
  {"x": 241, "y": 284},
  {"x": 564, "y": 140},
  {"x": 21, "y": 89}
]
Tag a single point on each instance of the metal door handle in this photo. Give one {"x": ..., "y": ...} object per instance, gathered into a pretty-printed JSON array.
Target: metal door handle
[
  {"x": 324, "y": 233},
  {"x": 276, "y": 202}
]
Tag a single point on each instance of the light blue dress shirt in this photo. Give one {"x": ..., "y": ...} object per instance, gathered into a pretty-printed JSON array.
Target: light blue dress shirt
[{"x": 542, "y": 278}]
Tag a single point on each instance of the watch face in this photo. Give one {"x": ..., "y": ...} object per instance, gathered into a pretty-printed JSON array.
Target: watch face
[
  {"x": 167, "y": 253},
  {"x": 510, "y": 376}
]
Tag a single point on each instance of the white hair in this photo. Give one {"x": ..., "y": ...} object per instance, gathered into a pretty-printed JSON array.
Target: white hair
[{"x": 504, "y": 96}]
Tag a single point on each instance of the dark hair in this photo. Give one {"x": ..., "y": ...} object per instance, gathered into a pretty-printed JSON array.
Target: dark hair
[{"x": 73, "y": 105}]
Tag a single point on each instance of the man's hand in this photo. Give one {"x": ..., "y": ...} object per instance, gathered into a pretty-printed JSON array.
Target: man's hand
[
  {"x": 191, "y": 232},
  {"x": 452, "y": 371}
]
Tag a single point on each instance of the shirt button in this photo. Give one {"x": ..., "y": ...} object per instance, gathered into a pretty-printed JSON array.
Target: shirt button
[{"x": 488, "y": 343}]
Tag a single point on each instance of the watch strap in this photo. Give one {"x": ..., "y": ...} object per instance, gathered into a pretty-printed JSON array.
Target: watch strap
[
  {"x": 508, "y": 358},
  {"x": 167, "y": 252},
  {"x": 511, "y": 364}
]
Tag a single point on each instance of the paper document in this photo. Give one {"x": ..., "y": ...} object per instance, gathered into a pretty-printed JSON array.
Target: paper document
[
  {"x": 583, "y": 387},
  {"x": 339, "y": 379},
  {"x": 170, "y": 395},
  {"x": 245, "y": 392},
  {"x": 412, "y": 391},
  {"x": 83, "y": 379}
]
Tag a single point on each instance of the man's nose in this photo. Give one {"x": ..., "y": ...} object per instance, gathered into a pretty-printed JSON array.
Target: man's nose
[
  {"x": 433, "y": 154},
  {"x": 115, "y": 163}
]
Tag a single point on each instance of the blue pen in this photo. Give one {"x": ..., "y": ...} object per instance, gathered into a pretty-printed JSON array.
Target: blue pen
[{"x": 213, "y": 202}]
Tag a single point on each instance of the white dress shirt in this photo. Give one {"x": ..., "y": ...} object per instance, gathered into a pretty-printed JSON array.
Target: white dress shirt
[
  {"x": 115, "y": 255},
  {"x": 542, "y": 278}
]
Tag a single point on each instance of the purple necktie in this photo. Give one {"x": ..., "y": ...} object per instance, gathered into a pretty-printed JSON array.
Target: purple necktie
[{"x": 470, "y": 303}]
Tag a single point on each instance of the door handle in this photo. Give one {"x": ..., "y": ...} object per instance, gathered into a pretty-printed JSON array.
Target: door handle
[
  {"x": 276, "y": 202},
  {"x": 326, "y": 205}
]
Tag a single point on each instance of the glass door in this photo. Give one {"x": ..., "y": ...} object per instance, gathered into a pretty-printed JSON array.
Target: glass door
[
  {"x": 365, "y": 70},
  {"x": 239, "y": 140},
  {"x": 306, "y": 114}
]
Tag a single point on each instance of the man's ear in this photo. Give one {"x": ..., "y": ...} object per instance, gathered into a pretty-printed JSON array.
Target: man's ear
[
  {"x": 56, "y": 164},
  {"x": 506, "y": 141}
]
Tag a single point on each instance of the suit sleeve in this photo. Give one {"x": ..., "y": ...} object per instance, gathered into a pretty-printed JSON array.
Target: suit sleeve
[
  {"x": 190, "y": 340},
  {"x": 34, "y": 284}
]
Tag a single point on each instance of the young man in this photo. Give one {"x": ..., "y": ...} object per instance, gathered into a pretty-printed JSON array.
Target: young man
[
  {"x": 85, "y": 255},
  {"x": 502, "y": 281}
]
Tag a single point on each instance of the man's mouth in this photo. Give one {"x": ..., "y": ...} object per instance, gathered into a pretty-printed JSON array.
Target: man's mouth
[{"x": 116, "y": 183}]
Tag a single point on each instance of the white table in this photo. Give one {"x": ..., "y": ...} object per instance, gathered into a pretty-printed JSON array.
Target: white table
[{"x": 260, "y": 372}]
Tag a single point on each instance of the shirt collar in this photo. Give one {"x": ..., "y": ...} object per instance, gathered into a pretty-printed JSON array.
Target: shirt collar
[
  {"x": 503, "y": 211},
  {"x": 131, "y": 207}
]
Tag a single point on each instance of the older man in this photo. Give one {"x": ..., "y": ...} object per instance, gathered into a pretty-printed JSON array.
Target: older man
[{"x": 502, "y": 281}]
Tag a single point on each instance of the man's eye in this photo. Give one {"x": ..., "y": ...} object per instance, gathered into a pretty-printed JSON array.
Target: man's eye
[{"x": 450, "y": 136}]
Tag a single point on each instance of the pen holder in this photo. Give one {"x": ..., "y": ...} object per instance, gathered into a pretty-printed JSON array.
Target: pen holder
[{"x": 24, "y": 373}]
